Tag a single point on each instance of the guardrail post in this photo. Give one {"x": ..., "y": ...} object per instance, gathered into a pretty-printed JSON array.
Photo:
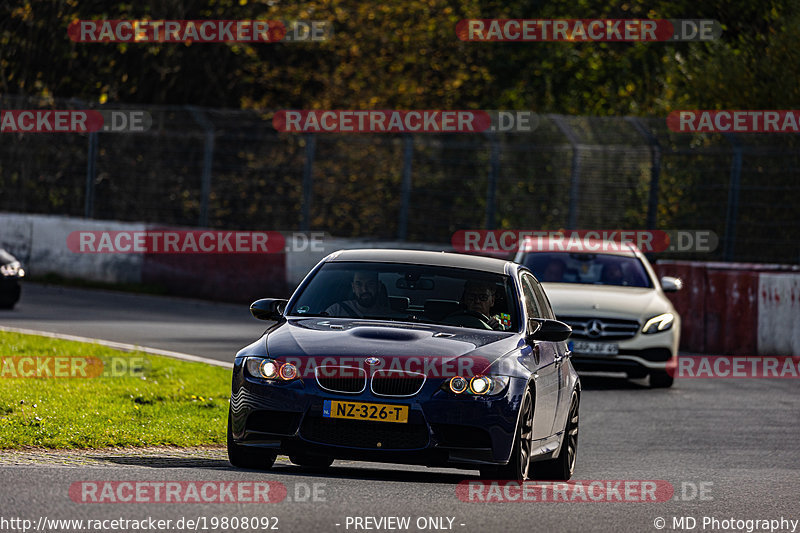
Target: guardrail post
[
  {"x": 575, "y": 178},
  {"x": 308, "y": 169},
  {"x": 208, "y": 159},
  {"x": 732, "y": 213},
  {"x": 655, "y": 169},
  {"x": 405, "y": 192},
  {"x": 491, "y": 186},
  {"x": 91, "y": 174}
]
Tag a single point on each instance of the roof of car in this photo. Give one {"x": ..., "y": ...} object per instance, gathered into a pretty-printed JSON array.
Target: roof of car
[{"x": 421, "y": 257}]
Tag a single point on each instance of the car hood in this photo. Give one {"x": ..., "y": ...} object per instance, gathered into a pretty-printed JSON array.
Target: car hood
[
  {"x": 605, "y": 301},
  {"x": 347, "y": 338}
]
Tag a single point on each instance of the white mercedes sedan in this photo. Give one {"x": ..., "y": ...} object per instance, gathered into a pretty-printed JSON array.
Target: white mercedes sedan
[{"x": 620, "y": 317}]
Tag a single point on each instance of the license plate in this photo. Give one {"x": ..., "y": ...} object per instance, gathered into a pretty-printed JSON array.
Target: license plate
[
  {"x": 594, "y": 348},
  {"x": 377, "y": 412}
]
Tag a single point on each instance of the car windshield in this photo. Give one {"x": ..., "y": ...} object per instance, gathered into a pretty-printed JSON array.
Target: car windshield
[
  {"x": 588, "y": 268},
  {"x": 411, "y": 293}
]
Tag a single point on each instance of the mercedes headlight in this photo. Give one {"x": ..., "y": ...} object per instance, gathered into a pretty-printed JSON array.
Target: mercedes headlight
[{"x": 659, "y": 323}]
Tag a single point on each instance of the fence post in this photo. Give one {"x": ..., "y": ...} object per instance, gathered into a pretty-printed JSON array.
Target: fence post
[
  {"x": 405, "y": 192},
  {"x": 575, "y": 179},
  {"x": 208, "y": 158},
  {"x": 91, "y": 174},
  {"x": 732, "y": 213},
  {"x": 655, "y": 169},
  {"x": 491, "y": 186},
  {"x": 308, "y": 168}
]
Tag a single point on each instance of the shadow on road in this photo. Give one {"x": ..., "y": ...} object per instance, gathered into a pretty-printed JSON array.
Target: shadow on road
[
  {"x": 340, "y": 470},
  {"x": 390, "y": 473},
  {"x": 605, "y": 382},
  {"x": 167, "y": 462}
]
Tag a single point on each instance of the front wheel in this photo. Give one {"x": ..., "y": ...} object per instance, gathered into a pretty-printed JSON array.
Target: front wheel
[
  {"x": 247, "y": 457},
  {"x": 562, "y": 467},
  {"x": 519, "y": 464}
]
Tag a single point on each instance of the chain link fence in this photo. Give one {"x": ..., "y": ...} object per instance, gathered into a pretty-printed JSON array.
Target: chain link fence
[{"x": 230, "y": 169}]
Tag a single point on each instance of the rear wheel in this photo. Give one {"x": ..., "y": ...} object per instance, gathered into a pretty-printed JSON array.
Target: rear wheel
[
  {"x": 562, "y": 467},
  {"x": 660, "y": 380},
  {"x": 519, "y": 464},
  {"x": 248, "y": 457},
  {"x": 311, "y": 461}
]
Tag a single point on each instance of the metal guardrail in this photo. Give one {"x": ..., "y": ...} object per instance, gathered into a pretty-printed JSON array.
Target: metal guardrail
[{"x": 225, "y": 168}]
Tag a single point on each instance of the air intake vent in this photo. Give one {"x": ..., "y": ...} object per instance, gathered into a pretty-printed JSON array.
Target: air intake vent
[
  {"x": 397, "y": 383},
  {"x": 345, "y": 379}
]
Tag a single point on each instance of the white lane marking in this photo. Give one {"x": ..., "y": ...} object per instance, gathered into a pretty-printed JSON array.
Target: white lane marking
[{"x": 120, "y": 346}]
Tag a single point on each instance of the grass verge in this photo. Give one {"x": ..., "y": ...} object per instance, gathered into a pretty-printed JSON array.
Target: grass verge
[{"x": 140, "y": 400}]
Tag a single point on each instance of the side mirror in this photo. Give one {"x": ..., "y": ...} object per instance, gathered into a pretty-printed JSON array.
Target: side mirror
[
  {"x": 541, "y": 329},
  {"x": 268, "y": 308},
  {"x": 670, "y": 284}
]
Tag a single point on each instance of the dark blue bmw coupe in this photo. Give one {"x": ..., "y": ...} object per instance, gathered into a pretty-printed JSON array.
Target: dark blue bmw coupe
[{"x": 409, "y": 357}]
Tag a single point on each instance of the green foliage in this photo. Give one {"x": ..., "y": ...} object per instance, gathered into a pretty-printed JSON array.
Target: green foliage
[{"x": 406, "y": 55}]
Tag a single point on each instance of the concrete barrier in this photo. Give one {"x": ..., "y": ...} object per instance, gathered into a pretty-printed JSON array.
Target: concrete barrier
[
  {"x": 779, "y": 314},
  {"x": 40, "y": 242},
  {"x": 737, "y": 308}
]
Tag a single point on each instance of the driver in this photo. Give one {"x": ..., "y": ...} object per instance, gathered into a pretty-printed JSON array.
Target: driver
[
  {"x": 479, "y": 297},
  {"x": 612, "y": 275},
  {"x": 367, "y": 302}
]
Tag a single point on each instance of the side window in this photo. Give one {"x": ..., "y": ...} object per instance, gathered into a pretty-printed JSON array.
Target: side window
[
  {"x": 544, "y": 303},
  {"x": 531, "y": 304}
]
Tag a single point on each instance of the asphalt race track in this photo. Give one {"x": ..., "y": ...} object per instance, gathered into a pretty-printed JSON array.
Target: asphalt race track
[
  {"x": 737, "y": 439},
  {"x": 206, "y": 329}
]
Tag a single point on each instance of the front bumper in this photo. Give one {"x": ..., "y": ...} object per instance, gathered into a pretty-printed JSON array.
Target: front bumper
[
  {"x": 638, "y": 356},
  {"x": 442, "y": 430}
]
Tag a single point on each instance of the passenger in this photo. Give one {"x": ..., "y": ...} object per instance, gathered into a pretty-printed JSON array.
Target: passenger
[{"x": 479, "y": 297}]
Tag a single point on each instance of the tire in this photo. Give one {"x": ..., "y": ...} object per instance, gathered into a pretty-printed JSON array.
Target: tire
[
  {"x": 247, "y": 457},
  {"x": 660, "y": 380},
  {"x": 519, "y": 465},
  {"x": 311, "y": 461},
  {"x": 562, "y": 467}
]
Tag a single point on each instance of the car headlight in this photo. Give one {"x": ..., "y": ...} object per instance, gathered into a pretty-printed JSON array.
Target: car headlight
[
  {"x": 659, "y": 323},
  {"x": 13, "y": 269},
  {"x": 477, "y": 385},
  {"x": 269, "y": 369},
  {"x": 458, "y": 384}
]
